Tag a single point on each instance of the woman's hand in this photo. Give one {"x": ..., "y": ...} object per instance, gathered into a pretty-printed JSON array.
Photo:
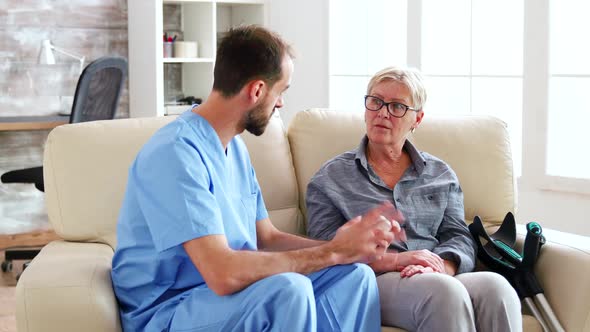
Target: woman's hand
[
  {"x": 450, "y": 268},
  {"x": 424, "y": 258},
  {"x": 411, "y": 270}
]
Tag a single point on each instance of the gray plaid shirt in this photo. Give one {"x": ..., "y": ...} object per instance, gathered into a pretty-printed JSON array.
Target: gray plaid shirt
[{"x": 428, "y": 195}]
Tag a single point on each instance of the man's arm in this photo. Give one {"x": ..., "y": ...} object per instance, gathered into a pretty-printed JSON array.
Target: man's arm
[
  {"x": 271, "y": 239},
  {"x": 227, "y": 271}
]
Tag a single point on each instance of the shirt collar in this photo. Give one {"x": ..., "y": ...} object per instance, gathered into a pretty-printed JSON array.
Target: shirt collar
[{"x": 417, "y": 159}]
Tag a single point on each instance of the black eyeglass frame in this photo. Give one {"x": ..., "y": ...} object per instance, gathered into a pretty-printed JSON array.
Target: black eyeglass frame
[{"x": 383, "y": 103}]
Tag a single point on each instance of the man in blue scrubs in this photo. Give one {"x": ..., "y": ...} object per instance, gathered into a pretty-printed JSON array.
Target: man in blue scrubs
[{"x": 196, "y": 250}]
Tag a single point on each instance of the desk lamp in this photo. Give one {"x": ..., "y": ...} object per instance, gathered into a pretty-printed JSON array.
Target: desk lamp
[{"x": 46, "y": 57}]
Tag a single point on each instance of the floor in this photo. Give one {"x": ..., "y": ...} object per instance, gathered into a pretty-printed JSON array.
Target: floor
[
  {"x": 8, "y": 296},
  {"x": 8, "y": 279}
]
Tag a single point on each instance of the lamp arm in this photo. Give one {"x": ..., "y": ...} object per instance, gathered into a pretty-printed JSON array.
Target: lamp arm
[{"x": 81, "y": 59}]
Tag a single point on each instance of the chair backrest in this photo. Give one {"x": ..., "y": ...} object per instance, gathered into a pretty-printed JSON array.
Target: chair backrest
[{"x": 98, "y": 90}]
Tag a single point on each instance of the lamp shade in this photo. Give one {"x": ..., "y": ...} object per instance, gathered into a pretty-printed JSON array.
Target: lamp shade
[{"x": 46, "y": 56}]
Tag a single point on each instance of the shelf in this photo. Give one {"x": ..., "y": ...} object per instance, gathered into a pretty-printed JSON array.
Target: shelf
[
  {"x": 13, "y": 123},
  {"x": 188, "y": 60},
  {"x": 154, "y": 79}
]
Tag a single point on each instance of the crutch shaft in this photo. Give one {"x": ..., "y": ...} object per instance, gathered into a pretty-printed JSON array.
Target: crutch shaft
[
  {"x": 548, "y": 313},
  {"x": 533, "y": 309}
]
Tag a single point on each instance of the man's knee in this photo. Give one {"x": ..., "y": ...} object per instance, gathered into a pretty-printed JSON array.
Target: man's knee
[
  {"x": 364, "y": 271},
  {"x": 289, "y": 286},
  {"x": 356, "y": 272}
]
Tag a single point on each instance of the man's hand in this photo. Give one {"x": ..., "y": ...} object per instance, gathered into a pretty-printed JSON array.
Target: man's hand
[
  {"x": 365, "y": 239},
  {"x": 424, "y": 258}
]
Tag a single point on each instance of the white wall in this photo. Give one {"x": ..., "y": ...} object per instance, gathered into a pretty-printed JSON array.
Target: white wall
[
  {"x": 304, "y": 24},
  {"x": 562, "y": 211}
]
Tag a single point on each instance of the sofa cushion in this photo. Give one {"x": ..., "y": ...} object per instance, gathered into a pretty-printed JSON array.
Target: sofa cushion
[
  {"x": 271, "y": 157},
  {"x": 86, "y": 175},
  {"x": 68, "y": 287},
  {"x": 476, "y": 147}
]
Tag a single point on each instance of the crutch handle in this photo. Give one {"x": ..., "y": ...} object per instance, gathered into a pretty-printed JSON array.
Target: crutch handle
[
  {"x": 534, "y": 228},
  {"x": 532, "y": 244}
]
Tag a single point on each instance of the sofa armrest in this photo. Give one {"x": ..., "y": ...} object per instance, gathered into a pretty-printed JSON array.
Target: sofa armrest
[
  {"x": 67, "y": 287},
  {"x": 563, "y": 269}
]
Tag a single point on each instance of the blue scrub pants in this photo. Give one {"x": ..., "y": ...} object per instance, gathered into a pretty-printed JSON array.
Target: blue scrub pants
[{"x": 339, "y": 298}]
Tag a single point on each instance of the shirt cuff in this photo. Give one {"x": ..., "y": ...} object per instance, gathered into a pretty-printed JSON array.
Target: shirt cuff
[{"x": 464, "y": 262}]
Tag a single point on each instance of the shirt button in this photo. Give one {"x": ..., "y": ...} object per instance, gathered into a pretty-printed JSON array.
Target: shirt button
[{"x": 398, "y": 200}]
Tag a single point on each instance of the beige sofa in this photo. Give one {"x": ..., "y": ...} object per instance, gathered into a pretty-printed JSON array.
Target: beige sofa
[{"x": 68, "y": 286}]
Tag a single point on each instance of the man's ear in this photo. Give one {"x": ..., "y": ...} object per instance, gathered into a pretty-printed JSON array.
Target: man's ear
[{"x": 255, "y": 90}]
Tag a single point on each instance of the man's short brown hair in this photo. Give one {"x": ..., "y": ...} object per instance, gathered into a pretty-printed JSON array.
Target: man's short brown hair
[{"x": 248, "y": 53}]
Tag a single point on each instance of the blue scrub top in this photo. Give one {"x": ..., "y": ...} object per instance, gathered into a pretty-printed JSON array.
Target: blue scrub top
[{"x": 181, "y": 186}]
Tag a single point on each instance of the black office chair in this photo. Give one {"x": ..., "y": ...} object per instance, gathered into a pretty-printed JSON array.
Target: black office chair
[{"x": 96, "y": 98}]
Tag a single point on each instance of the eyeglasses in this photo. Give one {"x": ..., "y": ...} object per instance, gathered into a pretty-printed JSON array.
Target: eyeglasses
[{"x": 394, "y": 108}]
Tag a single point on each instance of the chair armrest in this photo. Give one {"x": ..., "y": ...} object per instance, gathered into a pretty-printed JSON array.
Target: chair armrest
[
  {"x": 68, "y": 287},
  {"x": 563, "y": 269}
]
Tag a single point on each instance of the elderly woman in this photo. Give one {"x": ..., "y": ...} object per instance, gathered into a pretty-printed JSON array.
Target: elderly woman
[{"x": 426, "y": 282}]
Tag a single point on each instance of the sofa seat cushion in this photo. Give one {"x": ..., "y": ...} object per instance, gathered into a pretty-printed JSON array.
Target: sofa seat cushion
[{"x": 68, "y": 284}]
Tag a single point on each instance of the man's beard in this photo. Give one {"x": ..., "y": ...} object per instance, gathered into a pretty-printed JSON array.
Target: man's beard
[{"x": 255, "y": 121}]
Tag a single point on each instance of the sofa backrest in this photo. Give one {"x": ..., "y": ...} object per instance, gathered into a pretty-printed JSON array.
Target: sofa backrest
[
  {"x": 86, "y": 165},
  {"x": 476, "y": 147},
  {"x": 271, "y": 157},
  {"x": 85, "y": 173}
]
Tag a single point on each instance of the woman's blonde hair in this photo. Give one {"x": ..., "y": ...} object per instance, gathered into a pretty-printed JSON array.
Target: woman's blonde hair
[{"x": 410, "y": 77}]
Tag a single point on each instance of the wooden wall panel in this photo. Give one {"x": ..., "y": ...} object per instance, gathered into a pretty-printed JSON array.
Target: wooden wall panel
[
  {"x": 65, "y": 13},
  {"x": 92, "y": 28},
  {"x": 22, "y": 79}
]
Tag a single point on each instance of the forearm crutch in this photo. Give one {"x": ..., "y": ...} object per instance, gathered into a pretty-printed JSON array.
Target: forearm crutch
[{"x": 498, "y": 254}]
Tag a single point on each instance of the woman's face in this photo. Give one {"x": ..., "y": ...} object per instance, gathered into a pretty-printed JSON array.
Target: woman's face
[{"x": 382, "y": 127}]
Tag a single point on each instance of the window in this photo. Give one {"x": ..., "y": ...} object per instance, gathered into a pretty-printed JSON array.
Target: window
[
  {"x": 473, "y": 64},
  {"x": 569, "y": 90},
  {"x": 365, "y": 36},
  {"x": 476, "y": 59}
]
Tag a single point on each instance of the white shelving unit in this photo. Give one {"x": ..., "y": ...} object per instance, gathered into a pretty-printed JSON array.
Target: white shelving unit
[{"x": 203, "y": 21}]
